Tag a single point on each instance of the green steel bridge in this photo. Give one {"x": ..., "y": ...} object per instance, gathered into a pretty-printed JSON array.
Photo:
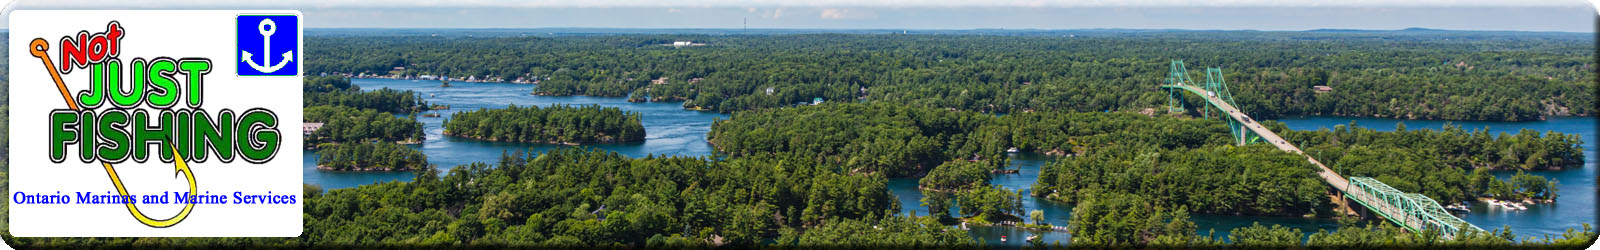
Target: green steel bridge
[{"x": 1414, "y": 212}]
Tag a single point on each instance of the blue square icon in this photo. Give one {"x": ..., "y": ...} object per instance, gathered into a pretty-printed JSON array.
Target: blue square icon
[{"x": 269, "y": 45}]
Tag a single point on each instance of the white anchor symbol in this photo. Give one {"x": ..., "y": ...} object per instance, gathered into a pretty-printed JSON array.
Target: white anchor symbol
[{"x": 267, "y": 27}]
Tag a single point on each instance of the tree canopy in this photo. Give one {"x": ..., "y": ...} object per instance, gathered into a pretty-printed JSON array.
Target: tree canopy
[
  {"x": 553, "y": 124},
  {"x": 1413, "y": 75},
  {"x": 380, "y": 156}
]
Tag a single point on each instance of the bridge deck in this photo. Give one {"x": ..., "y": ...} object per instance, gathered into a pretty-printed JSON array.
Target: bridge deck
[
  {"x": 1327, "y": 174},
  {"x": 1366, "y": 199}
]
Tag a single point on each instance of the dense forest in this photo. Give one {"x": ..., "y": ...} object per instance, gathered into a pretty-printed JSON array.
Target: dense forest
[
  {"x": 1251, "y": 180},
  {"x": 956, "y": 174},
  {"x": 1084, "y": 133},
  {"x": 342, "y": 124},
  {"x": 581, "y": 197},
  {"x": 1416, "y": 75},
  {"x": 557, "y": 124},
  {"x": 380, "y": 156},
  {"x": 358, "y": 131},
  {"x": 1261, "y": 180},
  {"x": 1450, "y": 165},
  {"x": 578, "y": 197},
  {"x": 1525, "y": 150},
  {"x": 1167, "y": 160},
  {"x": 1119, "y": 219},
  {"x": 337, "y": 91},
  {"x": 882, "y": 138},
  {"x": 349, "y": 115}
]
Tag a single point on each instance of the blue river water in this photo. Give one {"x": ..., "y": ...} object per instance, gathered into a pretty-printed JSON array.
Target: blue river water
[{"x": 671, "y": 130}]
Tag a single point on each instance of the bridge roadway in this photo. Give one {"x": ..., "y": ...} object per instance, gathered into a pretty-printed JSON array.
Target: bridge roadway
[{"x": 1328, "y": 175}]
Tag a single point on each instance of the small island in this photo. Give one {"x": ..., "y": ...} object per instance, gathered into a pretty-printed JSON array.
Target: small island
[
  {"x": 344, "y": 124},
  {"x": 381, "y": 156},
  {"x": 955, "y": 175},
  {"x": 557, "y": 124}
]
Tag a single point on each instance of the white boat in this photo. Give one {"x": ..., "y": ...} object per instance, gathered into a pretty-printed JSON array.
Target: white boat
[
  {"x": 1508, "y": 205},
  {"x": 1012, "y": 150},
  {"x": 1516, "y": 206}
]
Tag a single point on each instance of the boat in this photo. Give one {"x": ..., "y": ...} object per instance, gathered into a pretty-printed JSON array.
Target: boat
[
  {"x": 1002, "y": 238},
  {"x": 1462, "y": 207},
  {"x": 1516, "y": 206},
  {"x": 430, "y": 95},
  {"x": 1012, "y": 150},
  {"x": 1508, "y": 205}
]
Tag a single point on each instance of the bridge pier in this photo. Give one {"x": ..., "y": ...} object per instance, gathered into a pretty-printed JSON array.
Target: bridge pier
[{"x": 1343, "y": 205}]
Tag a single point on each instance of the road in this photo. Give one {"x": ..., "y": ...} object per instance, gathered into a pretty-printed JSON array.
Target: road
[{"x": 1327, "y": 174}]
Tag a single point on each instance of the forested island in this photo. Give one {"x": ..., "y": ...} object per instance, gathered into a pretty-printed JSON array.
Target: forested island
[
  {"x": 357, "y": 130},
  {"x": 1525, "y": 150},
  {"x": 348, "y": 115},
  {"x": 882, "y": 138},
  {"x": 344, "y": 124},
  {"x": 556, "y": 124},
  {"x": 379, "y": 156},
  {"x": 1497, "y": 76},
  {"x": 337, "y": 91}
]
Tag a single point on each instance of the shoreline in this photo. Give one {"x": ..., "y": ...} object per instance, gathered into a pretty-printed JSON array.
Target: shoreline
[
  {"x": 321, "y": 167},
  {"x": 447, "y": 133}
]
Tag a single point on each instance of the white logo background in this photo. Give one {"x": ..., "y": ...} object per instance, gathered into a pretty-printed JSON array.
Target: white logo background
[{"x": 149, "y": 34}]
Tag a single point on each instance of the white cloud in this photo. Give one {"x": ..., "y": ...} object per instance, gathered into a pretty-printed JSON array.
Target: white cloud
[
  {"x": 835, "y": 13},
  {"x": 786, "y": 3}
]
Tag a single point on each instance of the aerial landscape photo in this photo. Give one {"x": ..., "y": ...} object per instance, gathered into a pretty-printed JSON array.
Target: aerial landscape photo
[{"x": 932, "y": 123}]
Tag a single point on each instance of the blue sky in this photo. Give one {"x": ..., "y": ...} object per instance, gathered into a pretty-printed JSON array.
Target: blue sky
[{"x": 1528, "y": 15}]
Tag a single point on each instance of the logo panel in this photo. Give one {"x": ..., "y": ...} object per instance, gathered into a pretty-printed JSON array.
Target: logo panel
[{"x": 140, "y": 124}]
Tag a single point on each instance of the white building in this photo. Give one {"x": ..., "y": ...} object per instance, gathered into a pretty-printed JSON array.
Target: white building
[{"x": 310, "y": 127}]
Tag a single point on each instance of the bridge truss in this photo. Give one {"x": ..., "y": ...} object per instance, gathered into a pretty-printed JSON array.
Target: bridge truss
[
  {"x": 1215, "y": 87},
  {"x": 1414, "y": 212}
]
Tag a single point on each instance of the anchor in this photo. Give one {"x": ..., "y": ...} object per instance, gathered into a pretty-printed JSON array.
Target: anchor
[
  {"x": 267, "y": 28},
  {"x": 40, "y": 49}
]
